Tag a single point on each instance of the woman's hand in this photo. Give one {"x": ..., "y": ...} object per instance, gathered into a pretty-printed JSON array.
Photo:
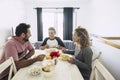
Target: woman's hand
[
  {"x": 70, "y": 59},
  {"x": 63, "y": 50}
]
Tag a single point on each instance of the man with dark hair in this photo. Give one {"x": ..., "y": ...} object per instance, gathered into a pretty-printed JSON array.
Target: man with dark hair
[{"x": 20, "y": 49}]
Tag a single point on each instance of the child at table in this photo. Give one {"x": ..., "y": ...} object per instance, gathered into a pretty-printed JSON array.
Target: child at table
[{"x": 52, "y": 41}]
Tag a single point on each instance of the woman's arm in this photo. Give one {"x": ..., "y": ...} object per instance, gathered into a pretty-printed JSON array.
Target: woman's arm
[{"x": 86, "y": 59}]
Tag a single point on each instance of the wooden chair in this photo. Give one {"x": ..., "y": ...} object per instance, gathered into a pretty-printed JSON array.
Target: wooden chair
[
  {"x": 6, "y": 64},
  {"x": 99, "y": 72}
]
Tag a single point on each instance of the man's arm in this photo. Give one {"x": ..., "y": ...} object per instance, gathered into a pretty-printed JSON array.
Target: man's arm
[
  {"x": 30, "y": 53},
  {"x": 11, "y": 51},
  {"x": 24, "y": 62}
]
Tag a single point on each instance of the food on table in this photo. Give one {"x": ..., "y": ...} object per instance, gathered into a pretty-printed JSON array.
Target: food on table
[
  {"x": 47, "y": 68},
  {"x": 54, "y": 54},
  {"x": 52, "y": 50},
  {"x": 48, "y": 65},
  {"x": 64, "y": 57},
  {"x": 48, "y": 56}
]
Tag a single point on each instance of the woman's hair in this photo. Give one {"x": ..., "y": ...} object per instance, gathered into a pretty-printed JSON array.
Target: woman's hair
[
  {"x": 21, "y": 28},
  {"x": 52, "y": 28},
  {"x": 84, "y": 37}
]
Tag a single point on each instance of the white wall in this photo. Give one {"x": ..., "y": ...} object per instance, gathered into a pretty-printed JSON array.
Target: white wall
[
  {"x": 101, "y": 17},
  {"x": 11, "y": 14}
]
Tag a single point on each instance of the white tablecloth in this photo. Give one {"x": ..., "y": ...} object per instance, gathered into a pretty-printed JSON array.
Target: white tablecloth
[{"x": 63, "y": 71}]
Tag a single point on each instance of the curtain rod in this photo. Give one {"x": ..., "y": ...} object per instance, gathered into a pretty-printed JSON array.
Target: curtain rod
[{"x": 57, "y": 7}]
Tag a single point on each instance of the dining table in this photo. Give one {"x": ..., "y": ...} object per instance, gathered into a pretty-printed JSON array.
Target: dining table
[{"x": 63, "y": 70}]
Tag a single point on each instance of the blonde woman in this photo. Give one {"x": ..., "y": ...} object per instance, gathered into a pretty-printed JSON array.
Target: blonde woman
[{"x": 83, "y": 58}]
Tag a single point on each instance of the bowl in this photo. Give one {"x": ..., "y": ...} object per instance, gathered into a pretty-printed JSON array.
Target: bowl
[{"x": 35, "y": 70}]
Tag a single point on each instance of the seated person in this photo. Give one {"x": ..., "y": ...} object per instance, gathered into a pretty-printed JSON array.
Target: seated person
[
  {"x": 20, "y": 48},
  {"x": 52, "y": 41},
  {"x": 83, "y": 55}
]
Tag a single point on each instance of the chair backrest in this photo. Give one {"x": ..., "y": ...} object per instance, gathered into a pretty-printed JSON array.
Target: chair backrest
[
  {"x": 99, "y": 70},
  {"x": 6, "y": 64},
  {"x": 1, "y": 51},
  {"x": 97, "y": 57},
  {"x": 96, "y": 53}
]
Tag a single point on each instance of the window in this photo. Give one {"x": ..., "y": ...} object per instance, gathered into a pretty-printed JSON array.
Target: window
[{"x": 53, "y": 18}]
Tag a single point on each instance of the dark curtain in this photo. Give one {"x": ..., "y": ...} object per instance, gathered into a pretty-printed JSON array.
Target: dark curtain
[
  {"x": 68, "y": 23},
  {"x": 39, "y": 24}
]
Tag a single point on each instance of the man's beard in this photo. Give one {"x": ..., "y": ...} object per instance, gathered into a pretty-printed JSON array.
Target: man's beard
[{"x": 26, "y": 39}]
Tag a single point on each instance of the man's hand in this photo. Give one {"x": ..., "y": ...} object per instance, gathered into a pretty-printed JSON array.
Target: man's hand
[
  {"x": 40, "y": 57},
  {"x": 24, "y": 62}
]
